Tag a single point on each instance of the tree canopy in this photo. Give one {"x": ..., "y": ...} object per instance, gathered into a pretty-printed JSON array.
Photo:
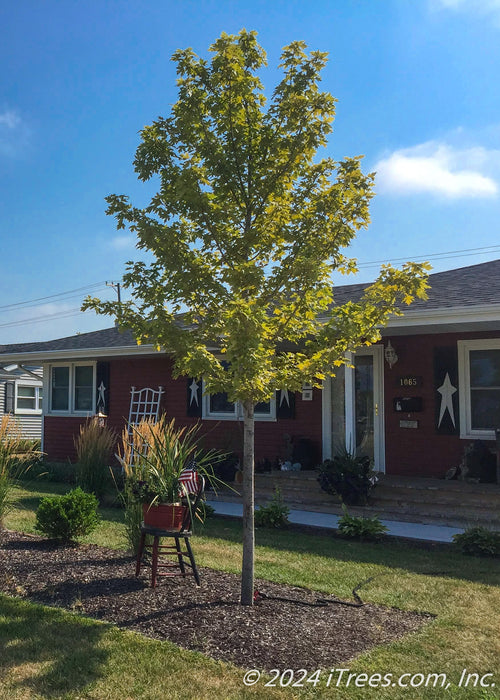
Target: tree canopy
[{"x": 246, "y": 229}]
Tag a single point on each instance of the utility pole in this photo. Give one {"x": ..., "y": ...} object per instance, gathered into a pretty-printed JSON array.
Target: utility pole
[{"x": 117, "y": 287}]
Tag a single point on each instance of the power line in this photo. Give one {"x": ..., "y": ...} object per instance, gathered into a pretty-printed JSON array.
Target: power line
[
  {"x": 466, "y": 252},
  {"x": 41, "y": 300},
  {"x": 47, "y": 317}
]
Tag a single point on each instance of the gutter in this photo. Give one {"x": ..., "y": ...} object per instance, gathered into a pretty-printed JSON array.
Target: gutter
[
  {"x": 41, "y": 356},
  {"x": 433, "y": 317}
]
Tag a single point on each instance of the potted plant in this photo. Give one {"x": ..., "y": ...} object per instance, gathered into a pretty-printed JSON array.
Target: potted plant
[
  {"x": 153, "y": 457},
  {"x": 348, "y": 475}
]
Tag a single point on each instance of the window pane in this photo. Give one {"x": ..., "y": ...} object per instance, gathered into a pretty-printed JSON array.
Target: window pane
[
  {"x": 84, "y": 384},
  {"x": 25, "y": 403},
  {"x": 263, "y": 408},
  {"x": 26, "y": 398},
  {"x": 485, "y": 368},
  {"x": 485, "y": 409},
  {"x": 364, "y": 400},
  {"x": 220, "y": 404},
  {"x": 60, "y": 388},
  {"x": 83, "y": 399},
  {"x": 26, "y": 391},
  {"x": 84, "y": 376}
]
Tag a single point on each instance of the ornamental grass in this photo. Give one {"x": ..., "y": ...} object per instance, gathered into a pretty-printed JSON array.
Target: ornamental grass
[{"x": 16, "y": 456}]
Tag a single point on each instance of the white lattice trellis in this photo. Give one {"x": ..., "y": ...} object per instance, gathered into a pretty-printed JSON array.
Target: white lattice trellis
[{"x": 144, "y": 405}]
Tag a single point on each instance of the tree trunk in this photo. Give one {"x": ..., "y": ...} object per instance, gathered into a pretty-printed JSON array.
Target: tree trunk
[{"x": 247, "y": 571}]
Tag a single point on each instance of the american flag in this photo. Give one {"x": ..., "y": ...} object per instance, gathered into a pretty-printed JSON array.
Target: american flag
[{"x": 189, "y": 480}]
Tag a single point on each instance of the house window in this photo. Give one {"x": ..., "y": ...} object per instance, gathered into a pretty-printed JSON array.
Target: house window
[
  {"x": 60, "y": 389},
  {"x": 28, "y": 399},
  {"x": 218, "y": 407},
  {"x": 84, "y": 388},
  {"x": 72, "y": 388},
  {"x": 479, "y": 375}
]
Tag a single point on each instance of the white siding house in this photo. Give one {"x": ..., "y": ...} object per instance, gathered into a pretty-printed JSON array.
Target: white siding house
[{"x": 21, "y": 397}]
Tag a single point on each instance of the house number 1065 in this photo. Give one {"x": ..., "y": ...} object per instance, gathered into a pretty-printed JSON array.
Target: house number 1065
[{"x": 410, "y": 381}]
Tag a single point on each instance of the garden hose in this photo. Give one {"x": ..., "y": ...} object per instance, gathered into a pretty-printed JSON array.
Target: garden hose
[{"x": 320, "y": 602}]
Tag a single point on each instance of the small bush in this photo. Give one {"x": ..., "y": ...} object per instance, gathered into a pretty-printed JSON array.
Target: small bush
[
  {"x": 63, "y": 472},
  {"x": 67, "y": 517},
  {"x": 94, "y": 447},
  {"x": 275, "y": 514},
  {"x": 363, "y": 529},
  {"x": 205, "y": 510},
  {"x": 478, "y": 542}
]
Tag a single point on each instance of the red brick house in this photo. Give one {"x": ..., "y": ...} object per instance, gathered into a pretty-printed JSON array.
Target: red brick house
[{"x": 413, "y": 401}]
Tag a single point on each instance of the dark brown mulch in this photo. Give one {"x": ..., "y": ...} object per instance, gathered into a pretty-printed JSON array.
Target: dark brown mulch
[{"x": 274, "y": 633}]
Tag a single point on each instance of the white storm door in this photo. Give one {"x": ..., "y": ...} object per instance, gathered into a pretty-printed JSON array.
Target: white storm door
[{"x": 364, "y": 394}]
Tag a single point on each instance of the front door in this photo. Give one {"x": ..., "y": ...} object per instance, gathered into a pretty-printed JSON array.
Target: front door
[
  {"x": 353, "y": 407},
  {"x": 364, "y": 409}
]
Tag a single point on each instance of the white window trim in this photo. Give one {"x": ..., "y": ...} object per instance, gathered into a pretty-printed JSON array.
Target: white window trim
[
  {"x": 464, "y": 348},
  {"x": 237, "y": 414},
  {"x": 28, "y": 411},
  {"x": 47, "y": 393}
]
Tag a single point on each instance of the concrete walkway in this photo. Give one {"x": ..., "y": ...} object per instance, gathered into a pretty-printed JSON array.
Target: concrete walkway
[{"x": 396, "y": 528}]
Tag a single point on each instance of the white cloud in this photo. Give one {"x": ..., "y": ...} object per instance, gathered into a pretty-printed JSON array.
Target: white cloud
[
  {"x": 9, "y": 119},
  {"x": 14, "y": 134},
  {"x": 123, "y": 242},
  {"x": 441, "y": 170},
  {"x": 486, "y": 8}
]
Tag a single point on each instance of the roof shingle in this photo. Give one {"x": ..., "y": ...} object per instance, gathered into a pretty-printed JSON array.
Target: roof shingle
[{"x": 475, "y": 285}]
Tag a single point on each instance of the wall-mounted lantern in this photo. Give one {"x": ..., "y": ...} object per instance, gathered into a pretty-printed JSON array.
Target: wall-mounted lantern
[{"x": 390, "y": 355}]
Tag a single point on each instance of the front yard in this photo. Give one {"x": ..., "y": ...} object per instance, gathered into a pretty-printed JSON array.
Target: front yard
[{"x": 48, "y": 652}]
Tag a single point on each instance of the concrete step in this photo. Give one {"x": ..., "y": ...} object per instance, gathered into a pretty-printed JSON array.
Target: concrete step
[
  {"x": 469, "y": 518},
  {"x": 394, "y": 498},
  {"x": 437, "y": 491}
]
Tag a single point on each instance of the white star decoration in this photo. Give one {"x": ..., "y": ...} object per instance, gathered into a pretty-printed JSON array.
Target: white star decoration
[
  {"x": 284, "y": 397},
  {"x": 101, "y": 389},
  {"x": 194, "y": 393},
  {"x": 447, "y": 390}
]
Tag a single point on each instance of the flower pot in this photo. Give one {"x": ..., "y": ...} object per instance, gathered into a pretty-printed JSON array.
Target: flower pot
[{"x": 165, "y": 516}]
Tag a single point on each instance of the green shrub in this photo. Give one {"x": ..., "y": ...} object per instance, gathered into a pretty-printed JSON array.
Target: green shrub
[
  {"x": 274, "y": 514},
  {"x": 94, "y": 447},
  {"x": 67, "y": 517},
  {"x": 132, "y": 513},
  {"x": 479, "y": 542},
  {"x": 30, "y": 446},
  {"x": 348, "y": 475},
  {"x": 62, "y": 472},
  {"x": 363, "y": 529},
  {"x": 204, "y": 511}
]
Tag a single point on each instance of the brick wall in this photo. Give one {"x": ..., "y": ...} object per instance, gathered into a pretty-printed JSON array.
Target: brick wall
[
  {"x": 421, "y": 451},
  {"x": 226, "y": 435}
]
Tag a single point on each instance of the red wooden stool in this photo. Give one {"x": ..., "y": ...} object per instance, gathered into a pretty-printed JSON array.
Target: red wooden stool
[
  {"x": 167, "y": 556},
  {"x": 171, "y": 556}
]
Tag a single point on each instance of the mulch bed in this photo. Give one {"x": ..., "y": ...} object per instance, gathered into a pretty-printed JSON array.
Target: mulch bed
[{"x": 274, "y": 633}]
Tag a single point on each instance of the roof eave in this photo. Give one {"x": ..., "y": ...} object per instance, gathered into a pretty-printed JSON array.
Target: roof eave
[
  {"x": 443, "y": 316},
  {"x": 422, "y": 318},
  {"x": 41, "y": 356}
]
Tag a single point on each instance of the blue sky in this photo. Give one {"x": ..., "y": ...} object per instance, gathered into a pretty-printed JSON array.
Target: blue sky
[{"x": 418, "y": 95}]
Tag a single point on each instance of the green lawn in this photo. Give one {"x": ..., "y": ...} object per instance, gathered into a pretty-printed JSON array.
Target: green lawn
[{"x": 52, "y": 653}]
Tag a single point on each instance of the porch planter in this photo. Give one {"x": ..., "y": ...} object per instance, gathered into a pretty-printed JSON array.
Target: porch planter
[{"x": 165, "y": 516}]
